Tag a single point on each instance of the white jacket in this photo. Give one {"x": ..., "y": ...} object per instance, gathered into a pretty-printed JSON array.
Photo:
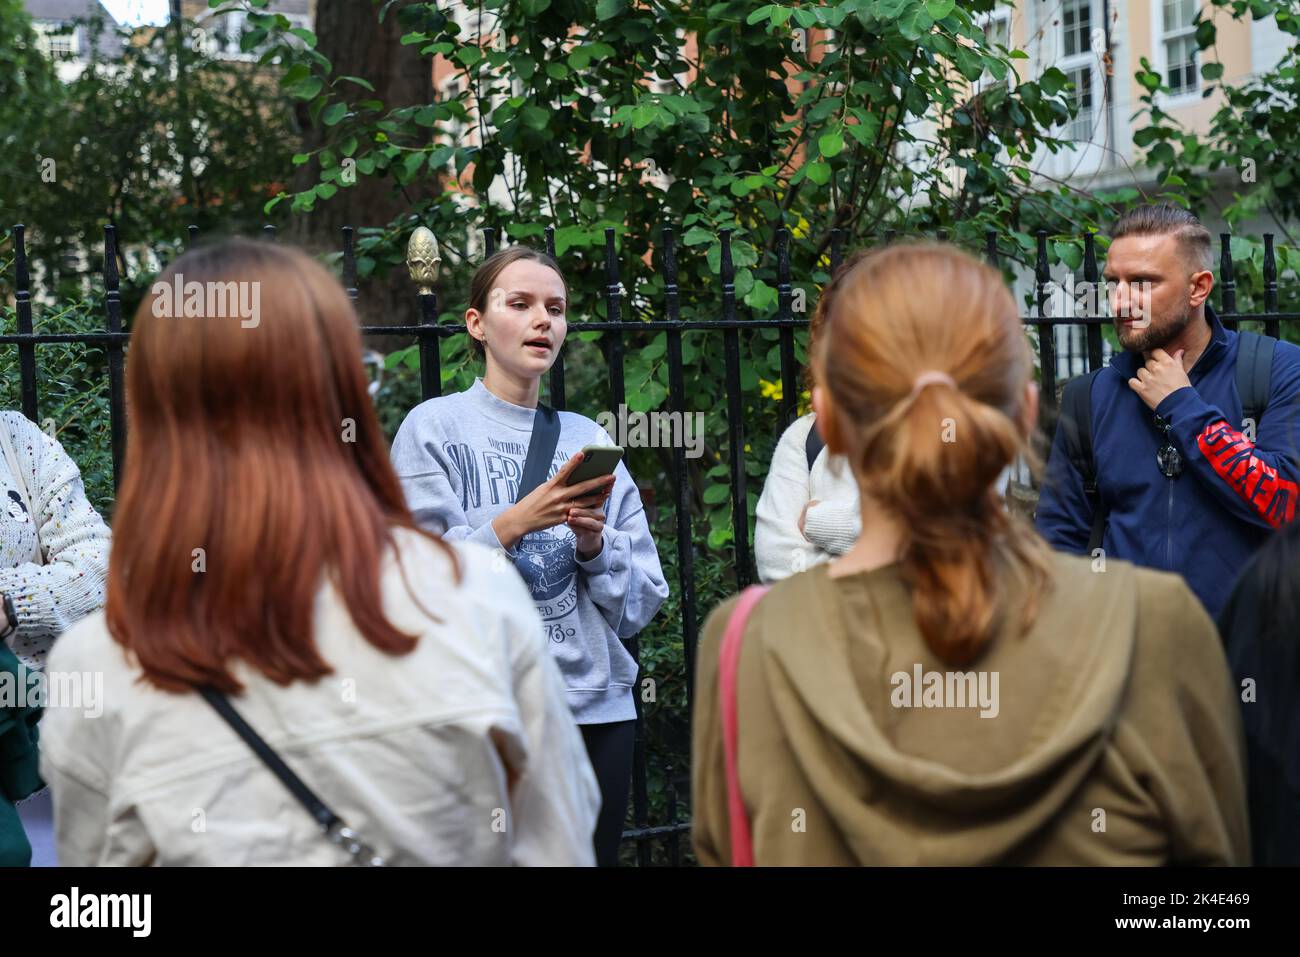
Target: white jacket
[
  {"x": 413, "y": 751},
  {"x": 830, "y": 527}
]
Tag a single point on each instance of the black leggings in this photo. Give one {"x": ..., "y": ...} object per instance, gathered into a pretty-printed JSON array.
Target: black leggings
[{"x": 609, "y": 747}]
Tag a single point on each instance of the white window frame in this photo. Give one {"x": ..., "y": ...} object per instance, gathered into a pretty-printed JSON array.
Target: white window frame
[
  {"x": 1085, "y": 59},
  {"x": 49, "y": 31},
  {"x": 1159, "y": 58},
  {"x": 998, "y": 15}
]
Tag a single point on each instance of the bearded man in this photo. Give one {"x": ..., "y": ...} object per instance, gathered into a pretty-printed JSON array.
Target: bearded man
[{"x": 1182, "y": 454}]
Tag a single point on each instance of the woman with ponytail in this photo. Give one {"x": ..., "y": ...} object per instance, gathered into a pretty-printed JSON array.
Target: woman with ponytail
[{"x": 949, "y": 691}]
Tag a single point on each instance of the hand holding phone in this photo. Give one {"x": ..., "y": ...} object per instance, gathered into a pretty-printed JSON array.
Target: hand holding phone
[
  {"x": 597, "y": 460},
  {"x": 551, "y": 503}
]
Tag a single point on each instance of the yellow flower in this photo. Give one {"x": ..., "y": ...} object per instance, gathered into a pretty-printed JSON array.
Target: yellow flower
[{"x": 770, "y": 390}]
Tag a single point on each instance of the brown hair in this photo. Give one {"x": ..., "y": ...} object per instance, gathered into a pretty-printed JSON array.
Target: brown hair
[
  {"x": 1164, "y": 219},
  {"x": 931, "y": 459},
  {"x": 485, "y": 277},
  {"x": 257, "y": 443}
]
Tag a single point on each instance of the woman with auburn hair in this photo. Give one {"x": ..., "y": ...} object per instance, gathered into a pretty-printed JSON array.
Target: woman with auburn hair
[
  {"x": 263, "y": 555},
  {"x": 949, "y": 691}
]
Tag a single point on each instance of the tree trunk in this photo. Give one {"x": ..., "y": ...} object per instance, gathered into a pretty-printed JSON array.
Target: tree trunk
[{"x": 349, "y": 33}]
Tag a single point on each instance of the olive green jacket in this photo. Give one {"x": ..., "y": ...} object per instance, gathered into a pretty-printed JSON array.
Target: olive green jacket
[{"x": 1114, "y": 736}]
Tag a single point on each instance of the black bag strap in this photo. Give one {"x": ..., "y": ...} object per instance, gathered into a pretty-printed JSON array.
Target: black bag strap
[
  {"x": 813, "y": 445},
  {"x": 335, "y": 830},
  {"x": 1076, "y": 420},
  {"x": 1254, "y": 373},
  {"x": 541, "y": 449}
]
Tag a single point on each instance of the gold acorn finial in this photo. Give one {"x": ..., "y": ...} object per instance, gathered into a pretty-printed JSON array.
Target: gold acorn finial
[{"x": 423, "y": 259}]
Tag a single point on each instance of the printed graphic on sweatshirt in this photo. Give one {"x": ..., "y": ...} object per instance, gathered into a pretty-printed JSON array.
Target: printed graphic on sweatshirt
[
  {"x": 1233, "y": 457},
  {"x": 546, "y": 559}
]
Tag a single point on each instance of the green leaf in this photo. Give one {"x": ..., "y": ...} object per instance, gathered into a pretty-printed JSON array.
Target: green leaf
[
  {"x": 1212, "y": 71},
  {"x": 1053, "y": 81},
  {"x": 305, "y": 35},
  {"x": 938, "y": 9},
  {"x": 413, "y": 162},
  {"x": 1145, "y": 137},
  {"x": 643, "y": 114},
  {"x": 824, "y": 108},
  {"x": 831, "y": 145},
  {"x": 535, "y": 117},
  {"x": 807, "y": 17},
  {"x": 696, "y": 235},
  {"x": 716, "y": 493},
  {"x": 762, "y": 13},
  {"x": 818, "y": 172},
  {"x": 608, "y": 9},
  {"x": 1070, "y": 253},
  {"x": 306, "y": 89},
  {"x": 866, "y": 130},
  {"x": 469, "y": 55},
  {"x": 334, "y": 113},
  {"x": 915, "y": 23},
  {"x": 364, "y": 84}
]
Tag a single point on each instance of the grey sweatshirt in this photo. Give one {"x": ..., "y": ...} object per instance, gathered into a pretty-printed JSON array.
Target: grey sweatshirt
[{"x": 460, "y": 458}]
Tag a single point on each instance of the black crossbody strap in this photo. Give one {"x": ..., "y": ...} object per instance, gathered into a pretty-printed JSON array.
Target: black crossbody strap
[
  {"x": 813, "y": 445},
  {"x": 541, "y": 449},
  {"x": 333, "y": 826}
]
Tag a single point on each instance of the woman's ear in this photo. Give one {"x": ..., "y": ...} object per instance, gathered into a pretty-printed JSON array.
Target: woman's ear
[
  {"x": 474, "y": 323},
  {"x": 826, "y": 421}
]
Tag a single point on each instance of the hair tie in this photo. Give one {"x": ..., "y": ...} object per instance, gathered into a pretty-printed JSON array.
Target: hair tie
[{"x": 930, "y": 377}]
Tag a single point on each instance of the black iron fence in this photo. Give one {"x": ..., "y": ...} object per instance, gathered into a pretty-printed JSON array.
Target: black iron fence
[{"x": 429, "y": 334}]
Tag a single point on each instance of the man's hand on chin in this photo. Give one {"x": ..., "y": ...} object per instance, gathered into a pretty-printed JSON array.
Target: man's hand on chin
[{"x": 1160, "y": 377}]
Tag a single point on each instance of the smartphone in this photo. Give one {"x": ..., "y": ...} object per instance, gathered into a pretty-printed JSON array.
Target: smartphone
[{"x": 597, "y": 460}]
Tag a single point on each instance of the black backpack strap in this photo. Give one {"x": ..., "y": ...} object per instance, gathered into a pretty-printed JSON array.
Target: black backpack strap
[
  {"x": 813, "y": 445},
  {"x": 541, "y": 449},
  {"x": 330, "y": 823},
  {"x": 1076, "y": 420},
  {"x": 1254, "y": 373}
]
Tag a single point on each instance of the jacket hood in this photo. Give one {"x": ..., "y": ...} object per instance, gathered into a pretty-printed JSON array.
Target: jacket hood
[{"x": 943, "y": 784}]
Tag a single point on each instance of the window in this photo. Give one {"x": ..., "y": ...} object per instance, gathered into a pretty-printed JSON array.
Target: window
[
  {"x": 1179, "y": 38},
  {"x": 1081, "y": 125},
  {"x": 1076, "y": 24},
  {"x": 997, "y": 35},
  {"x": 1078, "y": 62},
  {"x": 58, "y": 41}
]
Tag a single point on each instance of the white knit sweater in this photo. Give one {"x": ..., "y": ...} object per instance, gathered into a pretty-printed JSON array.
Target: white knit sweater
[
  {"x": 73, "y": 540},
  {"x": 830, "y": 527}
]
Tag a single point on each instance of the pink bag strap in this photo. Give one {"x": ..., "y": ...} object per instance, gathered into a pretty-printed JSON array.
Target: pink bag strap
[{"x": 742, "y": 843}]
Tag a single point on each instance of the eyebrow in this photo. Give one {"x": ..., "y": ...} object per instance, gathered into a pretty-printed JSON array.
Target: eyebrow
[{"x": 525, "y": 292}]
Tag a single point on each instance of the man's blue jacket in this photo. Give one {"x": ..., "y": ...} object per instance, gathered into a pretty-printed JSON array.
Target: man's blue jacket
[{"x": 1206, "y": 523}]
